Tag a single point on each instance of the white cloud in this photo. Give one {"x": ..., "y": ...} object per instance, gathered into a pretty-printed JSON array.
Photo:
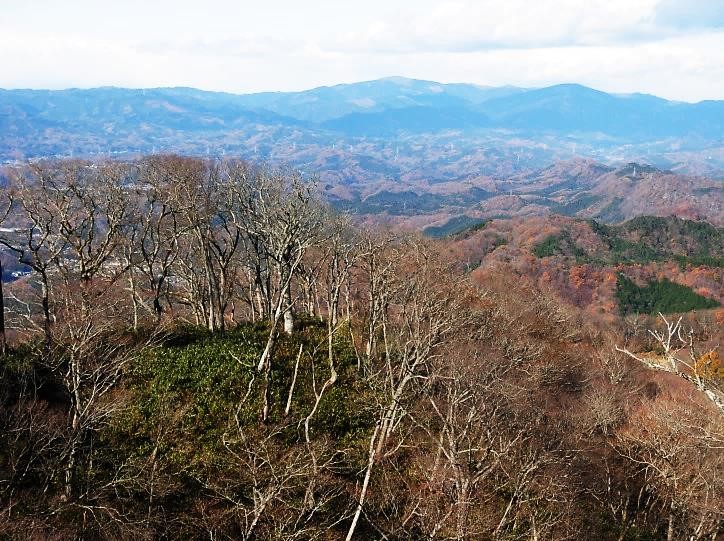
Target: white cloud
[
  {"x": 458, "y": 26},
  {"x": 659, "y": 46}
]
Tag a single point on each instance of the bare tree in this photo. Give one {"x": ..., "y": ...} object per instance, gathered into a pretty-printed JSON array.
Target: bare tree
[
  {"x": 3, "y": 338},
  {"x": 266, "y": 496},
  {"x": 674, "y": 340},
  {"x": 470, "y": 431},
  {"x": 423, "y": 312},
  {"x": 281, "y": 219},
  {"x": 337, "y": 263},
  {"x": 154, "y": 241},
  {"x": 678, "y": 450},
  {"x": 372, "y": 275},
  {"x": 34, "y": 237}
]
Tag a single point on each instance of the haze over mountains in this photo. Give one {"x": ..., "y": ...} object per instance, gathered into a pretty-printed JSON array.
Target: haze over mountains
[
  {"x": 413, "y": 150},
  {"x": 41, "y": 122},
  {"x": 395, "y": 308}
]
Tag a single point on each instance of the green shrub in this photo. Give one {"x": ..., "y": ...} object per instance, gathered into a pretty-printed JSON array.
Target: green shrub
[
  {"x": 659, "y": 296},
  {"x": 561, "y": 244}
]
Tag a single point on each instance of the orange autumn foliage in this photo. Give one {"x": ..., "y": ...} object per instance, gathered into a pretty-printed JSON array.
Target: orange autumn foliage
[{"x": 710, "y": 366}]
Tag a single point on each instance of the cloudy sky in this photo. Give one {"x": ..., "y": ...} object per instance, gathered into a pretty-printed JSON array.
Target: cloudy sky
[{"x": 672, "y": 48}]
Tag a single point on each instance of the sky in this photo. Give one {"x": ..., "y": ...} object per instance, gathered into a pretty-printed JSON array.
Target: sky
[{"x": 671, "y": 48}]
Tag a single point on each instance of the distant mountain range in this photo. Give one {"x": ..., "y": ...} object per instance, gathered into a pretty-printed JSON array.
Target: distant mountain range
[
  {"x": 567, "y": 107},
  {"x": 580, "y": 188},
  {"x": 32, "y": 121},
  {"x": 398, "y": 104},
  {"x": 383, "y": 95},
  {"x": 406, "y": 145}
]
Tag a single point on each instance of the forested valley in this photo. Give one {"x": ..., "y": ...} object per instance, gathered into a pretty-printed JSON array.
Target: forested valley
[{"x": 205, "y": 349}]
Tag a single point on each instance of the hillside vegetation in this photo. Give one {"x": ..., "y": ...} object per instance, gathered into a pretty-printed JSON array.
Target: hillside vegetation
[
  {"x": 406, "y": 147},
  {"x": 204, "y": 349},
  {"x": 659, "y": 297},
  {"x": 648, "y": 238},
  {"x": 581, "y": 260}
]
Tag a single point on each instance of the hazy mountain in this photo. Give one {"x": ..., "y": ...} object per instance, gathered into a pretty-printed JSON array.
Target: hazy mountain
[
  {"x": 178, "y": 108},
  {"x": 325, "y": 103},
  {"x": 419, "y": 128},
  {"x": 576, "y": 108},
  {"x": 408, "y": 119},
  {"x": 578, "y": 188},
  {"x": 569, "y": 108},
  {"x": 43, "y": 123}
]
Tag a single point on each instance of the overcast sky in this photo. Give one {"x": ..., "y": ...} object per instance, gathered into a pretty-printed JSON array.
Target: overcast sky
[{"x": 672, "y": 48}]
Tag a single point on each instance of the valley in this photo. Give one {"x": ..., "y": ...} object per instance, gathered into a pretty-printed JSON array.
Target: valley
[{"x": 386, "y": 310}]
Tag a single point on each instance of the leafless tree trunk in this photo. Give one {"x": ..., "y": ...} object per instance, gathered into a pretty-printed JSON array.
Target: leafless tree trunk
[
  {"x": 422, "y": 314},
  {"x": 3, "y": 339},
  {"x": 673, "y": 341}
]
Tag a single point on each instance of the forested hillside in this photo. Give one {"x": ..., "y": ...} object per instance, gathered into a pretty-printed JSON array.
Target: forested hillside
[
  {"x": 583, "y": 262},
  {"x": 205, "y": 349}
]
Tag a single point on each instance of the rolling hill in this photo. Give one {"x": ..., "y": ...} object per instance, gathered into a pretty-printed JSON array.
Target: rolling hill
[
  {"x": 402, "y": 147},
  {"x": 94, "y": 120},
  {"x": 587, "y": 264}
]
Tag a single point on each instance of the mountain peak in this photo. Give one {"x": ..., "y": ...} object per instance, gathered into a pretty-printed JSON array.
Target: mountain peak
[
  {"x": 634, "y": 169},
  {"x": 399, "y": 80}
]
